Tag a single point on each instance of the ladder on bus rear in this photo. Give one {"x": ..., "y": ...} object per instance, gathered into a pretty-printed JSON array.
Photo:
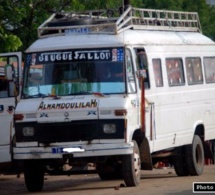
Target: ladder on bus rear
[{"x": 115, "y": 21}]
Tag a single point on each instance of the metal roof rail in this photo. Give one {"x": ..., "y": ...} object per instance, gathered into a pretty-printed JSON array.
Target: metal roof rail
[
  {"x": 111, "y": 22},
  {"x": 164, "y": 20}
]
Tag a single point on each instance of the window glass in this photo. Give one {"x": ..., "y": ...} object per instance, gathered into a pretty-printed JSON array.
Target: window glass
[
  {"x": 8, "y": 88},
  {"x": 130, "y": 73},
  {"x": 194, "y": 71},
  {"x": 175, "y": 72},
  {"x": 209, "y": 65},
  {"x": 142, "y": 64},
  {"x": 35, "y": 75},
  {"x": 157, "y": 72},
  {"x": 74, "y": 72}
]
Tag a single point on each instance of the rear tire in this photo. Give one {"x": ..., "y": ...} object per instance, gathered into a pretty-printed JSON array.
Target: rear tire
[
  {"x": 194, "y": 155},
  {"x": 132, "y": 167},
  {"x": 213, "y": 151},
  {"x": 34, "y": 176},
  {"x": 179, "y": 162},
  {"x": 108, "y": 172}
]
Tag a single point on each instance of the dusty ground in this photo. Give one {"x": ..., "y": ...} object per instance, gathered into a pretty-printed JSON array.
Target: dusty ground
[{"x": 158, "y": 181}]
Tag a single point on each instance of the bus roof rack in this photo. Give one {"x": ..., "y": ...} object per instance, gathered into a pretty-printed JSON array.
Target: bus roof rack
[{"x": 116, "y": 21}]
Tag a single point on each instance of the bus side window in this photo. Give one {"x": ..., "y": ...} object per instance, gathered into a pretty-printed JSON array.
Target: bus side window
[
  {"x": 194, "y": 70},
  {"x": 3, "y": 88},
  {"x": 130, "y": 73},
  {"x": 175, "y": 71},
  {"x": 157, "y": 72},
  {"x": 8, "y": 88},
  {"x": 142, "y": 64},
  {"x": 3, "y": 81},
  {"x": 209, "y": 65}
]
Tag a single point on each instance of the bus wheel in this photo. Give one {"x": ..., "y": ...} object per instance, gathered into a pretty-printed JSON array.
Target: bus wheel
[
  {"x": 34, "y": 176},
  {"x": 194, "y": 155},
  {"x": 180, "y": 163},
  {"x": 132, "y": 167},
  {"x": 213, "y": 151}
]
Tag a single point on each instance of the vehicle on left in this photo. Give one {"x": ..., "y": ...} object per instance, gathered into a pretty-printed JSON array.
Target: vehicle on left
[{"x": 9, "y": 96}]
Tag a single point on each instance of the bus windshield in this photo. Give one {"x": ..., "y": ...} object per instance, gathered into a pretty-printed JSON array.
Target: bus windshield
[{"x": 74, "y": 72}]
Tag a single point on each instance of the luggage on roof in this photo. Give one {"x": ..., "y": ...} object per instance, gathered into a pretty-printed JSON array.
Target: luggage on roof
[{"x": 116, "y": 21}]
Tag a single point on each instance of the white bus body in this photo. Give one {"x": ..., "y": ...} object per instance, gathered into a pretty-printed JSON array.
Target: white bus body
[
  {"x": 85, "y": 118},
  {"x": 8, "y": 97}
]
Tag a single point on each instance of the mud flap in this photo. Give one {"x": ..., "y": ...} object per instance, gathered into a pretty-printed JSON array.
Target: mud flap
[{"x": 145, "y": 155}]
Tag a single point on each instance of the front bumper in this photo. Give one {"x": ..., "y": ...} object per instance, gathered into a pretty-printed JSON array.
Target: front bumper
[{"x": 58, "y": 151}]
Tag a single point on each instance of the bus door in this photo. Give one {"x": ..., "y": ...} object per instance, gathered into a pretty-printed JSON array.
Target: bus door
[
  {"x": 146, "y": 109},
  {"x": 9, "y": 95}
]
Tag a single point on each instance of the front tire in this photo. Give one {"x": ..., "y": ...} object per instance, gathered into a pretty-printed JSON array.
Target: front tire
[
  {"x": 132, "y": 167},
  {"x": 34, "y": 176},
  {"x": 194, "y": 155}
]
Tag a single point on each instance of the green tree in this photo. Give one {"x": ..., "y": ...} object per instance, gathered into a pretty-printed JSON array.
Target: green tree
[
  {"x": 19, "y": 19},
  {"x": 205, "y": 12},
  {"x": 8, "y": 40}
]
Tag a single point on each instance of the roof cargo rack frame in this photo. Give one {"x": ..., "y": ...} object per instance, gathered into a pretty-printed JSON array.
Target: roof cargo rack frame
[{"x": 108, "y": 22}]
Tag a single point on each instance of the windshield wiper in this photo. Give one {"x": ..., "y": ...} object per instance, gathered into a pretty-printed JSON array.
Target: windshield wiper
[
  {"x": 88, "y": 93},
  {"x": 36, "y": 95},
  {"x": 41, "y": 95}
]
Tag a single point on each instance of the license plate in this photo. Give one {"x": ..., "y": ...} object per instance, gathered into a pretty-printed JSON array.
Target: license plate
[
  {"x": 57, "y": 150},
  {"x": 67, "y": 150}
]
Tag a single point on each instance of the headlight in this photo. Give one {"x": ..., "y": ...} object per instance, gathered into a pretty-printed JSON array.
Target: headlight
[
  {"x": 109, "y": 128},
  {"x": 28, "y": 131}
]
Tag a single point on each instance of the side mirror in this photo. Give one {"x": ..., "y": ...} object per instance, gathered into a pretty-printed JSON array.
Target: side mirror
[
  {"x": 141, "y": 74},
  {"x": 9, "y": 72}
]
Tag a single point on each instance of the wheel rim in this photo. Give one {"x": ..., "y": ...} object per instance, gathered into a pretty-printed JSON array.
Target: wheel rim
[
  {"x": 199, "y": 157},
  {"x": 137, "y": 164}
]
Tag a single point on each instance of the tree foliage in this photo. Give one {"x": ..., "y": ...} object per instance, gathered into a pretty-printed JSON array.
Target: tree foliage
[
  {"x": 205, "y": 11},
  {"x": 19, "y": 19},
  {"x": 8, "y": 42}
]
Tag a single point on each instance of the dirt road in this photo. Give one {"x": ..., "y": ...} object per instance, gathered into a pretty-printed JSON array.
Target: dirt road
[{"x": 158, "y": 181}]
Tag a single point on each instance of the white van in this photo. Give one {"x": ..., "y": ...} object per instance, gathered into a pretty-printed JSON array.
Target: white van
[
  {"x": 9, "y": 95},
  {"x": 121, "y": 92}
]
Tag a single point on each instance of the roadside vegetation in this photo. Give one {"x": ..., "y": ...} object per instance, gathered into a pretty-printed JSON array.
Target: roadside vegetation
[{"x": 19, "y": 19}]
